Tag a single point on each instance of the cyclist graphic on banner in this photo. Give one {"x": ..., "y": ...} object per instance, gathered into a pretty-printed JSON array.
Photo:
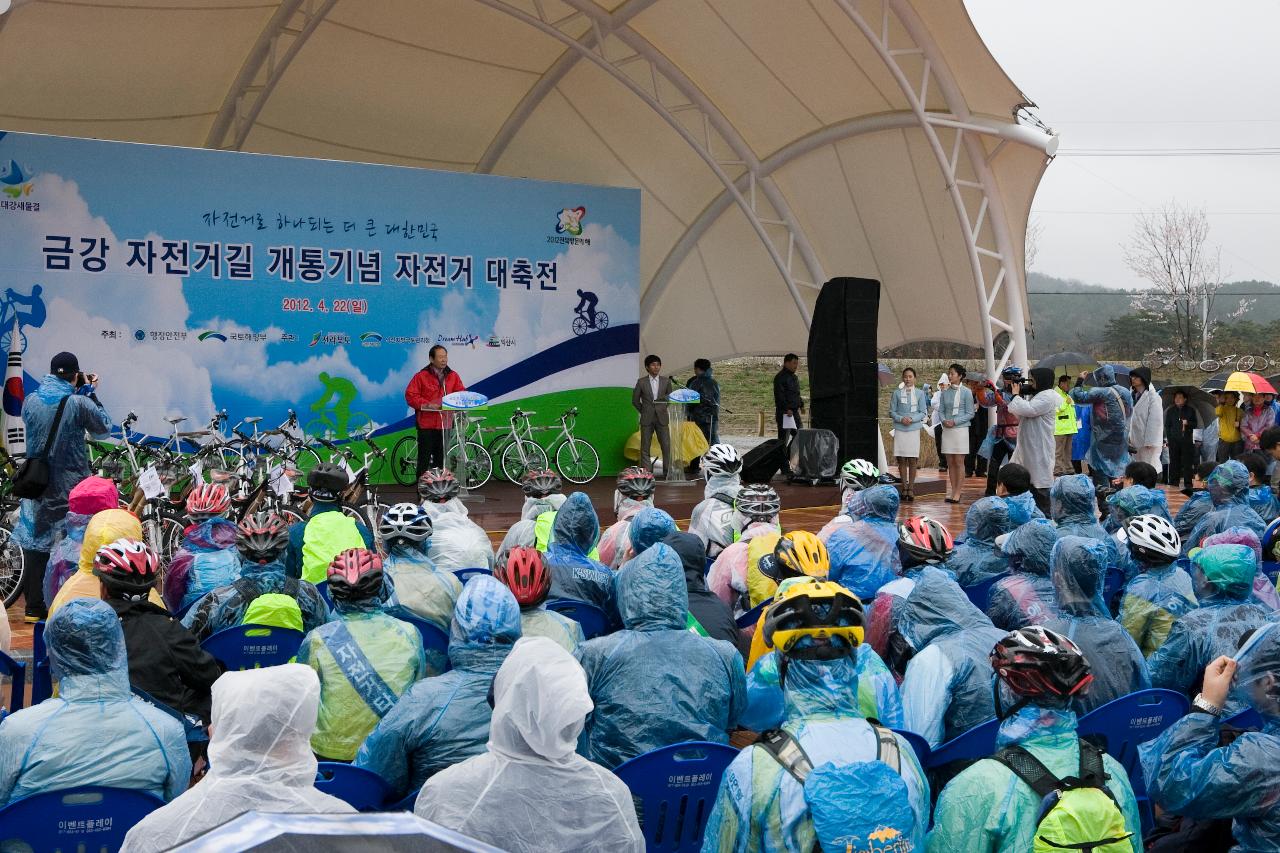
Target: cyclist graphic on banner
[
  {"x": 588, "y": 319},
  {"x": 336, "y": 417},
  {"x": 12, "y": 307}
]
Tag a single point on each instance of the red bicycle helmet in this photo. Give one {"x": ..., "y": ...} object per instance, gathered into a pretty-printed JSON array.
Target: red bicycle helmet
[
  {"x": 538, "y": 483},
  {"x": 208, "y": 499},
  {"x": 128, "y": 569},
  {"x": 437, "y": 485},
  {"x": 355, "y": 574},
  {"x": 1037, "y": 663},
  {"x": 636, "y": 483},
  {"x": 923, "y": 540},
  {"x": 262, "y": 537},
  {"x": 525, "y": 575}
]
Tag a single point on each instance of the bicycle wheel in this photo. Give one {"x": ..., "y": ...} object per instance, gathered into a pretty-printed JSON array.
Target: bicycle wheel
[
  {"x": 602, "y": 321},
  {"x": 1186, "y": 364},
  {"x": 1210, "y": 365},
  {"x": 580, "y": 326},
  {"x": 303, "y": 460},
  {"x": 514, "y": 468},
  {"x": 479, "y": 467},
  {"x": 1152, "y": 361},
  {"x": 577, "y": 460},
  {"x": 1246, "y": 363},
  {"x": 12, "y": 565},
  {"x": 404, "y": 461}
]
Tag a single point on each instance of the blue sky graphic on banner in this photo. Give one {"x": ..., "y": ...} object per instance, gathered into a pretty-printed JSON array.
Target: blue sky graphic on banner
[{"x": 193, "y": 280}]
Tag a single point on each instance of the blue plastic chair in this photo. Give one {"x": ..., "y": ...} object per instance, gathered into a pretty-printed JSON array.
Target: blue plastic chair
[
  {"x": 980, "y": 592},
  {"x": 433, "y": 639},
  {"x": 253, "y": 646},
  {"x": 17, "y": 672},
  {"x": 405, "y": 805},
  {"x": 41, "y": 675},
  {"x": 1131, "y": 720},
  {"x": 918, "y": 745},
  {"x": 677, "y": 787},
  {"x": 1246, "y": 719},
  {"x": 748, "y": 620},
  {"x": 1112, "y": 587},
  {"x": 593, "y": 620},
  {"x": 463, "y": 575},
  {"x": 92, "y": 818},
  {"x": 978, "y": 742},
  {"x": 323, "y": 589},
  {"x": 363, "y": 790}
]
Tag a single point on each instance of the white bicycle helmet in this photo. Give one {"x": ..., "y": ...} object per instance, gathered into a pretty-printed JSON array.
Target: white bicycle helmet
[
  {"x": 405, "y": 521},
  {"x": 757, "y": 502},
  {"x": 721, "y": 459},
  {"x": 1152, "y": 539},
  {"x": 858, "y": 474}
]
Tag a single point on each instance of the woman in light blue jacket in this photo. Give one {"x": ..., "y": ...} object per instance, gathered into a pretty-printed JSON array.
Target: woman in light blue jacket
[
  {"x": 908, "y": 408},
  {"x": 955, "y": 408}
]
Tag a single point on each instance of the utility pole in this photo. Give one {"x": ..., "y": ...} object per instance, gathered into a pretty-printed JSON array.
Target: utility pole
[{"x": 1204, "y": 325}]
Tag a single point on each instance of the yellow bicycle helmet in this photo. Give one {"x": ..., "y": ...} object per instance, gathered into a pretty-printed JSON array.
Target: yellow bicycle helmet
[
  {"x": 817, "y": 610},
  {"x": 801, "y": 553}
]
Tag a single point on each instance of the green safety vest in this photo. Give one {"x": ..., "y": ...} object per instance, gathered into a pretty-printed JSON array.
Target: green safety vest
[
  {"x": 1066, "y": 423},
  {"x": 326, "y": 536},
  {"x": 542, "y": 534},
  {"x": 694, "y": 626}
]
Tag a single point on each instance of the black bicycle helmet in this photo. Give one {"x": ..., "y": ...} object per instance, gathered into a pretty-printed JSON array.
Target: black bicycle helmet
[
  {"x": 327, "y": 482},
  {"x": 757, "y": 502},
  {"x": 355, "y": 575},
  {"x": 437, "y": 486},
  {"x": 538, "y": 483},
  {"x": 262, "y": 538},
  {"x": 804, "y": 619},
  {"x": 1040, "y": 665},
  {"x": 636, "y": 482}
]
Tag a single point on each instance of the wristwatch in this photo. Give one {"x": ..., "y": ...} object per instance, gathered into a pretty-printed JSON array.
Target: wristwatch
[{"x": 1202, "y": 704}]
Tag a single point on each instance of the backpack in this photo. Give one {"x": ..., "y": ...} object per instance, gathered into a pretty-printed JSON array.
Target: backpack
[
  {"x": 1076, "y": 813},
  {"x": 861, "y": 807},
  {"x": 325, "y": 536},
  {"x": 276, "y": 610}
]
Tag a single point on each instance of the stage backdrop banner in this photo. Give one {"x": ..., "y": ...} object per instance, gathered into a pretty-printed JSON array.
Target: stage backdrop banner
[{"x": 195, "y": 280}]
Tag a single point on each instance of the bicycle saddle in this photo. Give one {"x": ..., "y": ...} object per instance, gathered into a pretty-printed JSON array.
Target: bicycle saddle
[
  {"x": 176, "y": 419},
  {"x": 253, "y": 420}
]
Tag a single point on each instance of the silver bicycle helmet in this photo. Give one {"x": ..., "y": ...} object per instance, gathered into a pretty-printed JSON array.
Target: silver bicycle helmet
[
  {"x": 757, "y": 502},
  {"x": 405, "y": 521},
  {"x": 721, "y": 459},
  {"x": 1152, "y": 539}
]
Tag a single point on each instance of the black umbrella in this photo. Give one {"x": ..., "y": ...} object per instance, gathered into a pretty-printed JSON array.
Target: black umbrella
[
  {"x": 1199, "y": 399},
  {"x": 1217, "y": 380},
  {"x": 1074, "y": 361},
  {"x": 370, "y": 832}
]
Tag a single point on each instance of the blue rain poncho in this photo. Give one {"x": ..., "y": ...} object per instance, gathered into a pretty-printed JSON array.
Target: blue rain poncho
[
  {"x": 1133, "y": 501},
  {"x": 978, "y": 558},
  {"x": 864, "y": 554},
  {"x": 876, "y": 689},
  {"x": 226, "y": 607},
  {"x": 1022, "y": 508},
  {"x": 96, "y": 732},
  {"x": 760, "y": 806},
  {"x": 528, "y": 790},
  {"x": 573, "y": 573},
  {"x": 1156, "y": 598},
  {"x": 1112, "y": 406},
  {"x": 68, "y": 457},
  {"x": 1078, "y": 574},
  {"x": 207, "y": 559},
  {"x": 1025, "y": 597},
  {"x": 947, "y": 688},
  {"x": 444, "y": 719},
  {"x": 656, "y": 683},
  {"x": 366, "y": 660},
  {"x": 422, "y": 588},
  {"x": 541, "y": 622},
  {"x": 1228, "y": 488},
  {"x": 1263, "y": 501},
  {"x": 1189, "y": 774},
  {"x": 1223, "y": 578},
  {"x": 648, "y": 527},
  {"x": 988, "y": 808},
  {"x": 1073, "y": 503},
  {"x": 1197, "y": 507}
]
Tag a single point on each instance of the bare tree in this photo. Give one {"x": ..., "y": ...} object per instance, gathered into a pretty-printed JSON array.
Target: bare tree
[
  {"x": 1170, "y": 248},
  {"x": 1031, "y": 245}
]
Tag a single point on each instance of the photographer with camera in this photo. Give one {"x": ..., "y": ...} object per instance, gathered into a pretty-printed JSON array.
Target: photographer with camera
[
  {"x": 1005, "y": 432},
  {"x": 1036, "y": 405},
  {"x": 56, "y": 417}
]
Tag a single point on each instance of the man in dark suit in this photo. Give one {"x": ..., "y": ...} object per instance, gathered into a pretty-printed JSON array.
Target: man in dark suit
[
  {"x": 787, "y": 403},
  {"x": 650, "y": 399}
]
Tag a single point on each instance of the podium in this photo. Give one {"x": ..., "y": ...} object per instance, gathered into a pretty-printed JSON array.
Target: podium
[
  {"x": 469, "y": 461},
  {"x": 677, "y": 406}
]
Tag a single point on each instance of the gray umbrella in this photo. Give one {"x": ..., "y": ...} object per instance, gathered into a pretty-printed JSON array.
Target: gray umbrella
[
  {"x": 370, "y": 832},
  {"x": 1198, "y": 398},
  {"x": 1075, "y": 361},
  {"x": 1216, "y": 381}
]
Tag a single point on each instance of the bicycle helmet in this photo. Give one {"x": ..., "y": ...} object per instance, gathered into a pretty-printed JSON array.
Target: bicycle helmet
[
  {"x": 922, "y": 540},
  {"x": 405, "y": 521},
  {"x": 327, "y": 482},
  {"x": 525, "y": 575},
  {"x": 1036, "y": 663},
  {"x": 437, "y": 486},
  {"x": 807, "y": 616},
  {"x": 208, "y": 499},
  {"x": 540, "y": 483},
  {"x": 1271, "y": 542},
  {"x": 858, "y": 474},
  {"x": 1152, "y": 539},
  {"x": 636, "y": 482},
  {"x": 127, "y": 568},
  {"x": 757, "y": 502},
  {"x": 721, "y": 459},
  {"x": 261, "y": 538},
  {"x": 355, "y": 575},
  {"x": 801, "y": 553}
]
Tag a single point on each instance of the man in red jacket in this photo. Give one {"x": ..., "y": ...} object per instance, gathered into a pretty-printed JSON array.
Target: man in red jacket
[{"x": 426, "y": 389}]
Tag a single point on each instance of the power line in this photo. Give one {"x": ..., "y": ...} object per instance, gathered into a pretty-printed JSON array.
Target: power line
[
  {"x": 1168, "y": 152},
  {"x": 1142, "y": 294},
  {"x": 1036, "y": 212}
]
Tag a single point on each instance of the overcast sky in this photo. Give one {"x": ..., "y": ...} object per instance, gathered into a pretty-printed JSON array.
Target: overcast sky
[{"x": 1138, "y": 74}]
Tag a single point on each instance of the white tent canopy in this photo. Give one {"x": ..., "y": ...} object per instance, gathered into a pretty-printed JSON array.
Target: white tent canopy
[{"x": 777, "y": 143}]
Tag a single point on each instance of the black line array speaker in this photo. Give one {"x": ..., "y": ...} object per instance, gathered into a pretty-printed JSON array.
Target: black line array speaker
[{"x": 843, "y": 384}]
